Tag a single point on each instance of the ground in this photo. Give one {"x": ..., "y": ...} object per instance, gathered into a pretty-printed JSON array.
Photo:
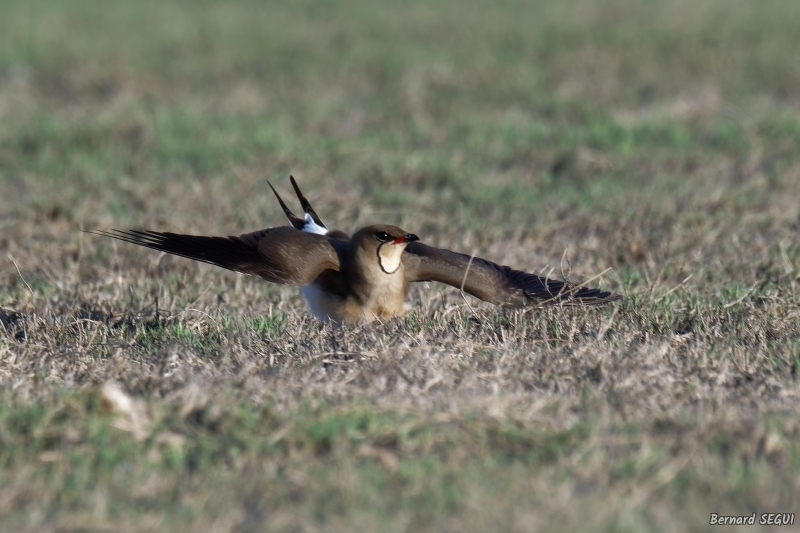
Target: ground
[{"x": 652, "y": 146}]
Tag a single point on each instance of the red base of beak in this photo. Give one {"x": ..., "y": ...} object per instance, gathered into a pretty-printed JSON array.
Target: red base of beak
[{"x": 408, "y": 237}]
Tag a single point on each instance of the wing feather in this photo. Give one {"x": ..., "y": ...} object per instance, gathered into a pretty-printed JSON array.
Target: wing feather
[
  {"x": 280, "y": 255},
  {"x": 497, "y": 284}
]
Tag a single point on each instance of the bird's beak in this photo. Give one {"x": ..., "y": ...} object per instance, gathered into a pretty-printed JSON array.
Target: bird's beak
[{"x": 408, "y": 237}]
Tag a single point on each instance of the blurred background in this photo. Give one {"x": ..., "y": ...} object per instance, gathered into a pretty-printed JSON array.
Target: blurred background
[{"x": 473, "y": 113}]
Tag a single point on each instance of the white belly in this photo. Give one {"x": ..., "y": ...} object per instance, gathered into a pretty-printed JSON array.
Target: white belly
[
  {"x": 319, "y": 303},
  {"x": 385, "y": 302}
]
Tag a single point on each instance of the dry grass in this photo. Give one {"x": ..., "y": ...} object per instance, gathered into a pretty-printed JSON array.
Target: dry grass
[{"x": 145, "y": 392}]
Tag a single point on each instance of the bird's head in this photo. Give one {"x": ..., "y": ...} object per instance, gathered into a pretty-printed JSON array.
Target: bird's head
[{"x": 386, "y": 242}]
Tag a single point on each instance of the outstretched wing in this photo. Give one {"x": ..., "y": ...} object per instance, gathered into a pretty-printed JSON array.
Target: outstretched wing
[
  {"x": 280, "y": 255},
  {"x": 500, "y": 285}
]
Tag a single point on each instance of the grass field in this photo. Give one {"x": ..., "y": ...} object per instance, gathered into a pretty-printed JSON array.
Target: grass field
[{"x": 140, "y": 392}]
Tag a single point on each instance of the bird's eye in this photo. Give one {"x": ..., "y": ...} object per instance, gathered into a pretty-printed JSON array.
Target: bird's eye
[{"x": 382, "y": 236}]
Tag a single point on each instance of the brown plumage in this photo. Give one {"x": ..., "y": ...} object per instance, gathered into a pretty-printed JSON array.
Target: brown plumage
[{"x": 363, "y": 277}]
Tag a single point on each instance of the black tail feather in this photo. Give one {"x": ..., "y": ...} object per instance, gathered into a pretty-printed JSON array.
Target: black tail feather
[
  {"x": 294, "y": 220},
  {"x": 306, "y": 205}
]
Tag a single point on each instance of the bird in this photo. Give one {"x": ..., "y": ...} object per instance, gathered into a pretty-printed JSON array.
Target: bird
[{"x": 363, "y": 277}]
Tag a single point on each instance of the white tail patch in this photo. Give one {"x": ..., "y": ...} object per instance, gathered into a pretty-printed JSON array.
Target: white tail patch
[{"x": 313, "y": 227}]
